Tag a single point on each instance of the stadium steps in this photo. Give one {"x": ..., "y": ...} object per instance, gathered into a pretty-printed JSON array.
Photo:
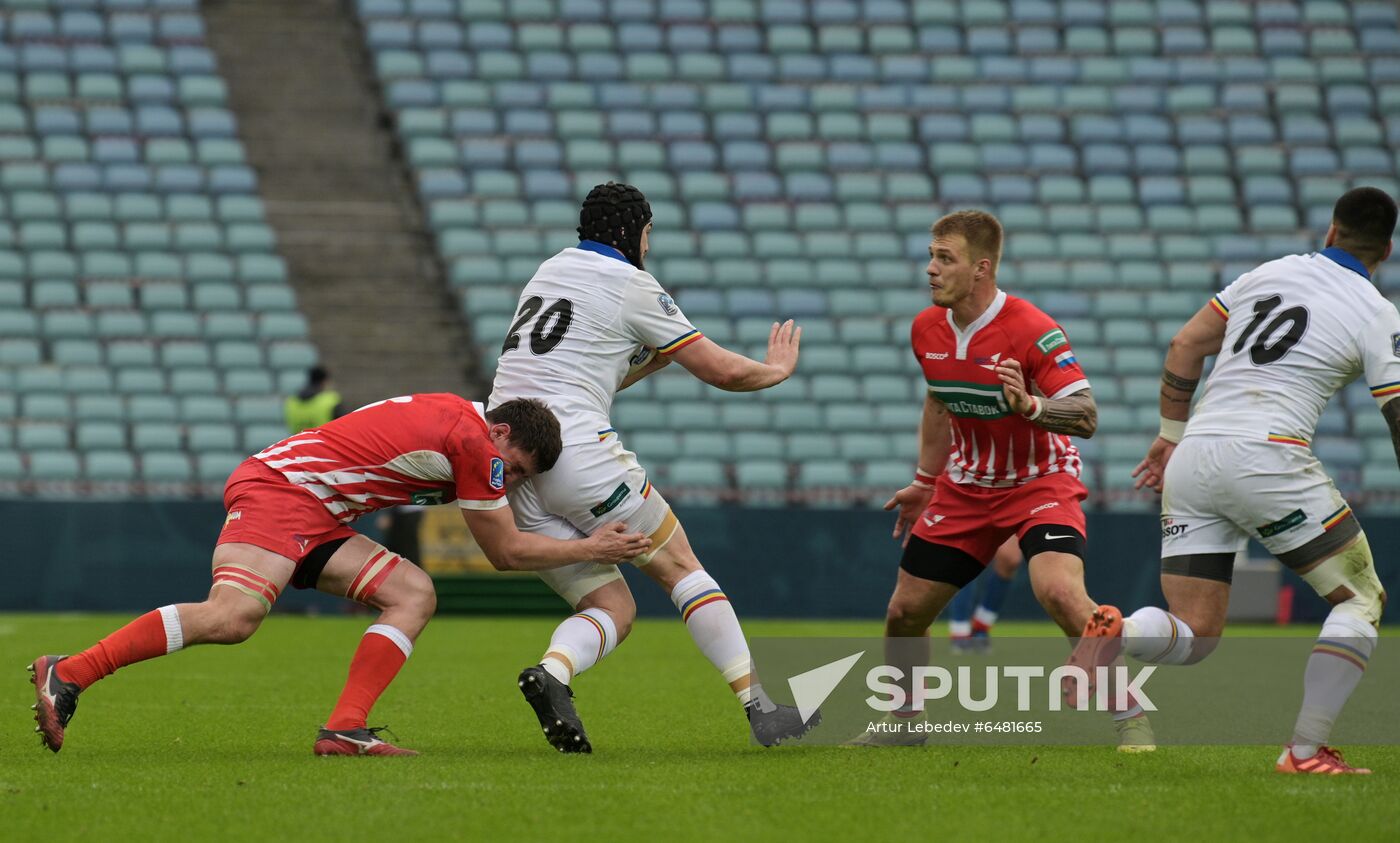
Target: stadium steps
[{"x": 346, "y": 218}]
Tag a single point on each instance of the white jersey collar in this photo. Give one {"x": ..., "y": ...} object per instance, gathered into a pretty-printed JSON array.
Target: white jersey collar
[{"x": 964, "y": 337}]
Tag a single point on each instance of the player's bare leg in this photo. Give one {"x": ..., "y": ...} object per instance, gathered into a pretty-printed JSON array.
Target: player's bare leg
[
  {"x": 913, "y": 607},
  {"x": 715, "y": 629},
  {"x": 368, "y": 573},
  {"x": 602, "y": 618},
  {"x": 1058, "y": 582},
  {"x": 247, "y": 580}
]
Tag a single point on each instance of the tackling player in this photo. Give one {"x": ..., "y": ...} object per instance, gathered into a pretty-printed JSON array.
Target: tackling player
[
  {"x": 1005, "y": 394},
  {"x": 289, "y": 509},
  {"x": 590, "y": 322},
  {"x": 1289, "y": 335}
]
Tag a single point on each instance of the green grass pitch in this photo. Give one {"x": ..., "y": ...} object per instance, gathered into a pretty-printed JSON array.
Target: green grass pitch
[{"x": 215, "y": 744}]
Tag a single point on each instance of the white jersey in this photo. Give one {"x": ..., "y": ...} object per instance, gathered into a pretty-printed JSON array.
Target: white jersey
[
  {"x": 1299, "y": 329},
  {"x": 581, "y": 321}
]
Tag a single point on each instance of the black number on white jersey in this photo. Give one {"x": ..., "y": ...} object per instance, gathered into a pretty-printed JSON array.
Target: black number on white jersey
[
  {"x": 549, "y": 329},
  {"x": 1263, "y": 351}
]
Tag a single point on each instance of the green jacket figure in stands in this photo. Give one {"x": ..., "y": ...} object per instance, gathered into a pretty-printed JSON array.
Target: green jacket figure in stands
[{"x": 316, "y": 403}]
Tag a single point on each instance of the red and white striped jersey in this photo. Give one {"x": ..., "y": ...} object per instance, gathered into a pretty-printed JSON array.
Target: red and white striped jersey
[
  {"x": 993, "y": 446},
  {"x": 415, "y": 449}
]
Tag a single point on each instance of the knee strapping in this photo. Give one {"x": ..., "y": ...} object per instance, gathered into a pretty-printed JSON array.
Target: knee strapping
[
  {"x": 372, "y": 575},
  {"x": 248, "y": 581},
  {"x": 1354, "y": 570},
  {"x": 660, "y": 537}
]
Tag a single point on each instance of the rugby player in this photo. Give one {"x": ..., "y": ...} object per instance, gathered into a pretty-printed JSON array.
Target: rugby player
[
  {"x": 289, "y": 509},
  {"x": 1288, "y": 336},
  {"x": 590, "y": 322},
  {"x": 1005, "y": 394}
]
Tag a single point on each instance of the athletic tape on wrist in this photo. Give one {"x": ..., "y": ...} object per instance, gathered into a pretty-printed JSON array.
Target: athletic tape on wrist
[{"x": 1172, "y": 430}]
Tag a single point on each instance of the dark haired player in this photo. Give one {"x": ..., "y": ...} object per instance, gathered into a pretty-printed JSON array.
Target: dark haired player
[
  {"x": 592, "y": 321},
  {"x": 1289, "y": 335},
  {"x": 289, "y": 509},
  {"x": 1005, "y": 394}
]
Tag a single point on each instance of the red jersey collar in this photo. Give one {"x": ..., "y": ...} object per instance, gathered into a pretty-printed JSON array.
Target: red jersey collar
[{"x": 965, "y": 336}]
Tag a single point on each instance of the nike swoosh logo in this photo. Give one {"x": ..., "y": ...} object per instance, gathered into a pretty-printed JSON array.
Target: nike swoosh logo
[{"x": 1049, "y": 537}]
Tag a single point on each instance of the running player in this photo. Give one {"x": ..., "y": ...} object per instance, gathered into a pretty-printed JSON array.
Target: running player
[
  {"x": 592, "y": 321},
  {"x": 289, "y": 508},
  {"x": 1005, "y": 394},
  {"x": 971, "y": 615},
  {"x": 1289, "y": 335}
]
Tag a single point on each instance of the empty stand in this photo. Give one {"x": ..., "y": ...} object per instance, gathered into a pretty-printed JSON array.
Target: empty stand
[{"x": 1140, "y": 154}]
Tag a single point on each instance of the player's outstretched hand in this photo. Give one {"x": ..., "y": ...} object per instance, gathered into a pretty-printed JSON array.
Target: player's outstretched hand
[
  {"x": 1013, "y": 384},
  {"x": 783, "y": 341},
  {"x": 1153, "y": 467},
  {"x": 911, "y": 501},
  {"x": 613, "y": 545}
]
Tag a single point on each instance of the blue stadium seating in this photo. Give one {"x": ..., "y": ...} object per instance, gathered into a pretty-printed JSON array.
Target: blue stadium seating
[
  {"x": 1139, "y": 154},
  {"x": 146, "y": 324}
]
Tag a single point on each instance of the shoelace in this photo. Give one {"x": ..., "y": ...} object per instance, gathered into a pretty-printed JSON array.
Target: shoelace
[
  {"x": 1327, "y": 753},
  {"x": 375, "y": 730}
]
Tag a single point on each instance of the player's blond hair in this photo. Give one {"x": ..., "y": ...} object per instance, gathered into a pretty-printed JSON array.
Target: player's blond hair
[{"x": 981, "y": 230}]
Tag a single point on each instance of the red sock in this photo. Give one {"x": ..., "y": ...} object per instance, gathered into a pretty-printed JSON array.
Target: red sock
[
  {"x": 143, "y": 638},
  {"x": 381, "y": 653}
]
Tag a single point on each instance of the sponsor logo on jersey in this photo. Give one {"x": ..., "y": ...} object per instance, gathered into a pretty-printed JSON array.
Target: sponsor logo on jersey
[
  {"x": 1285, "y": 523},
  {"x": 426, "y": 498},
  {"x": 1172, "y": 527},
  {"x": 618, "y": 496},
  {"x": 934, "y": 520},
  {"x": 641, "y": 355},
  {"x": 935, "y": 355},
  {"x": 236, "y": 515},
  {"x": 1065, "y": 359},
  {"x": 1044, "y": 507},
  {"x": 988, "y": 363},
  {"x": 1051, "y": 340},
  {"x": 668, "y": 305},
  {"x": 1395, "y": 344},
  {"x": 498, "y": 473},
  {"x": 970, "y": 400}
]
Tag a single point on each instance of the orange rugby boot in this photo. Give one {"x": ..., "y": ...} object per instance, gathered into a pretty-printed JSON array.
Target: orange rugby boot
[
  {"x": 1327, "y": 761},
  {"x": 1098, "y": 646}
]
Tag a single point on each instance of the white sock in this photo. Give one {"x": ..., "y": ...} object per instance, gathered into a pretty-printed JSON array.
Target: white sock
[
  {"x": 960, "y": 629},
  {"x": 715, "y": 628},
  {"x": 1156, "y": 636},
  {"x": 1337, "y": 663},
  {"x": 174, "y": 630},
  {"x": 984, "y": 616},
  {"x": 583, "y": 639}
]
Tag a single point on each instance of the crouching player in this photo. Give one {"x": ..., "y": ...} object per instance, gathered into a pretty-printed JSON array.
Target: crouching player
[{"x": 289, "y": 508}]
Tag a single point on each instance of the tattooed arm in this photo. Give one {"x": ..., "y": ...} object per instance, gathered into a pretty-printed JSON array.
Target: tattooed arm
[
  {"x": 1075, "y": 414},
  {"x": 1198, "y": 339}
]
